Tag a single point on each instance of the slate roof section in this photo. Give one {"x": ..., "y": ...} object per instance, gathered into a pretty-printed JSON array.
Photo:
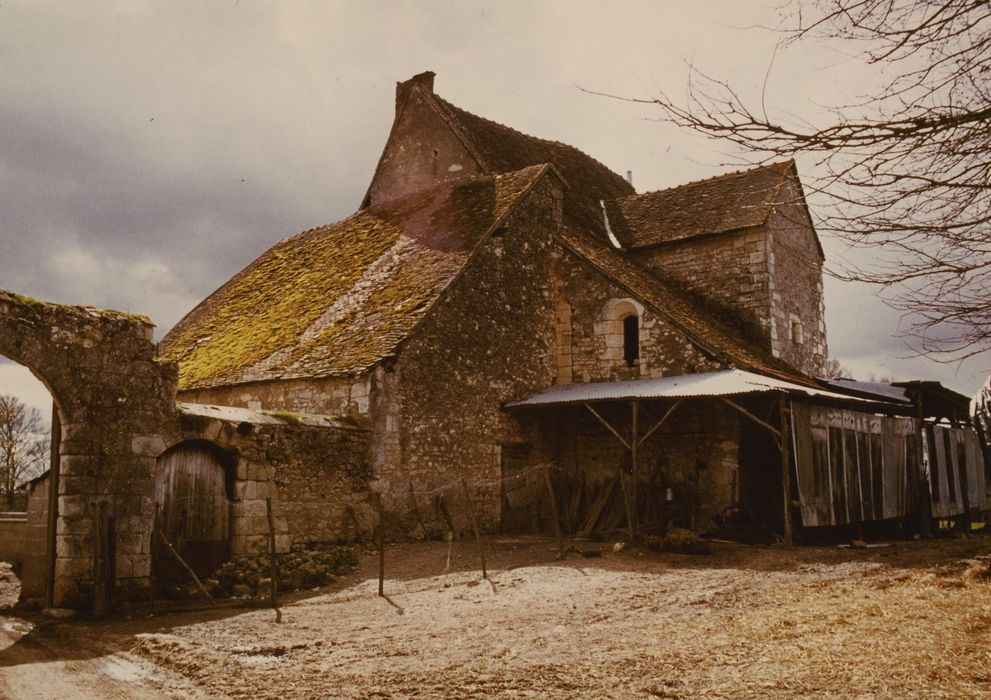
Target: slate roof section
[
  {"x": 711, "y": 334},
  {"x": 503, "y": 149},
  {"x": 332, "y": 301},
  {"x": 724, "y": 203}
]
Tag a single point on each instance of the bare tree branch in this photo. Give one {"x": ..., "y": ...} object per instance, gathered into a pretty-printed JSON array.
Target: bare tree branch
[{"x": 906, "y": 172}]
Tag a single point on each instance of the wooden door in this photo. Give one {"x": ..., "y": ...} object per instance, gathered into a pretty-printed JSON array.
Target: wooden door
[{"x": 192, "y": 509}]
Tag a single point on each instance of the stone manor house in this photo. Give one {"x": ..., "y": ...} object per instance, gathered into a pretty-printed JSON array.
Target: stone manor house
[{"x": 502, "y": 310}]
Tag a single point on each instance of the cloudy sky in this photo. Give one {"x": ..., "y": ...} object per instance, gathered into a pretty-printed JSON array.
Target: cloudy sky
[{"x": 148, "y": 151}]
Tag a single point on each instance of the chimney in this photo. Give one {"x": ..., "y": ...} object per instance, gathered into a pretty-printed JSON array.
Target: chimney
[
  {"x": 403, "y": 89},
  {"x": 629, "y": 177}
]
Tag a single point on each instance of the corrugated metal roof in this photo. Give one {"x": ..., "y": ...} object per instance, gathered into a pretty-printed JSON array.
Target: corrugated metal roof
[
  {"x": 879, "y": 390},
  {"x": 723, "y": 383}
]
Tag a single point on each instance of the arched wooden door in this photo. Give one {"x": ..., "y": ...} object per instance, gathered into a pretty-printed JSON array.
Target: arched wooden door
[{"x": 192, "y": 509}]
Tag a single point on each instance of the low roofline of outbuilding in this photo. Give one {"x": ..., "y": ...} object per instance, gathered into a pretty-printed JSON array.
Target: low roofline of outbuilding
[{"x": 730, "y": 382}]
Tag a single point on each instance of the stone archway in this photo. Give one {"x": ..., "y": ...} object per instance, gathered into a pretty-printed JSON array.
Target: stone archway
[{"x": 115, "y": 403}]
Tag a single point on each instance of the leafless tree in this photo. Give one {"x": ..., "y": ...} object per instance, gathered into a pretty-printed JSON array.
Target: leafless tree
[
  {"x": 905, "y": 172},
  {"x": 23, "y": 445}
]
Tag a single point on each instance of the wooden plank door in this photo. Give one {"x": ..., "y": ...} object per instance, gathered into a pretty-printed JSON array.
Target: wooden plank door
[{"x": 192, "y": 509}]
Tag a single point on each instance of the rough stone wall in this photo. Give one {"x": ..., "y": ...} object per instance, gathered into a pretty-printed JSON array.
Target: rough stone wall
[
  {"x": 34, "y": 572},
  {"x": 114, "y": 402},
  {"x": 795, "y": 275},
  {"x": 596, "y": 332},
  {"x": 311, "y": 467},
  {"x": 729, "y": 271},
  {"x": 489, "y": 340},
  {"x": 323, "y": 396},
  {"x": 13, "y": 536},
  {"x": 422, "y": 151}
]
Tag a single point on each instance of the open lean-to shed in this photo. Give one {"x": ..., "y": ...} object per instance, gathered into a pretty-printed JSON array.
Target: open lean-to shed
[{"x": 782, "y": 457}]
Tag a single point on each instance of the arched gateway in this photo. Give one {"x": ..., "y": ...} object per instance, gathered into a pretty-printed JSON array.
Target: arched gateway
[{"x": 115, "y": 402}]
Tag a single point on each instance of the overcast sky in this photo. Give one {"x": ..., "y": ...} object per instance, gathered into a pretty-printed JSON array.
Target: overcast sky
[{"x": 148, "y": 151}]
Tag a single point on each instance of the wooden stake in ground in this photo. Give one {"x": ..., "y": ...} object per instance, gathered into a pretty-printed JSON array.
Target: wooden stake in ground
[
  {"x": 416, "y": 510},
  {"x": 557, "y": 523},
  {"x": 377, "y": 497},
  {"x": 446, "y": 515},
  {"x": 273, "y": 560},
  {"x": 182, "y": 562},
  {"x": 474, "y": 525}
]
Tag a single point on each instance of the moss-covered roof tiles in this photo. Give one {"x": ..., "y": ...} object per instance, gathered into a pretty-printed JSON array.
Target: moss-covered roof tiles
[
  {"x": 724, "y": 203},
  {"x": 333, "y": 301}
]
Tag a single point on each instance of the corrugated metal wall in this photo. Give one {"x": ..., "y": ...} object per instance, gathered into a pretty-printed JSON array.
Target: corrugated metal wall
[
  {"x": 852, "y": 467},
  {"x": 958, "y": 478}
]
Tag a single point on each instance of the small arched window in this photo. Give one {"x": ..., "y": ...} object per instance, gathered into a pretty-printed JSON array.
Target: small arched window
[{"x": 631, "y": 339}]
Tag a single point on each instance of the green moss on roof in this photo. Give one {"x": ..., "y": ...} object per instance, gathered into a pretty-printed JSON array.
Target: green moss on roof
[{"x": 333, "y": 301}]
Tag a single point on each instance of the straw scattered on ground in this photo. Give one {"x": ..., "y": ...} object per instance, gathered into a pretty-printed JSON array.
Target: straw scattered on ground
[{"x": 911, "y": 620}]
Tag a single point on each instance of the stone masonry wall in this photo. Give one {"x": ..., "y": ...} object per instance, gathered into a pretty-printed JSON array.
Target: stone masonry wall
[
  {"x": 313, "y": 468},
  {"x": 496, "y": 337},
  {"x": 114, "y": 402},
  {"x": 422, "y": 152},
  {"x": 595, "y": 310},
  {"x": 324, "y": 396},
  {"x": 728, "y": 270},
  {"x": 489, "y": 340},
  {"x": 795, "y": 267},
  {"x": 34, "y": 572}
]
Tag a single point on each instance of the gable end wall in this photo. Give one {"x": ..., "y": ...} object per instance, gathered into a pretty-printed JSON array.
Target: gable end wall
[
  {"x": 795, "y": 284},
  {"x": 728, "y": 270},
  {"x": 422, "y": 152}
]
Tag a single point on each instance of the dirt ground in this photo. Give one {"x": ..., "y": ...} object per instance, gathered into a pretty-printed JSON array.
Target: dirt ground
[{"x": 908, "y": 620}]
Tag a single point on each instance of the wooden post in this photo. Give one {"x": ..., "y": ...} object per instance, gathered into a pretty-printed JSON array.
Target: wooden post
[
  {"x": 474, "y": 525},
  {"x": 273, "y": 560},
  {"x": 53, "y": 487},
  {"x": 416, "y": 510},
  {"x": 626, "y": 502},
  {"x": 554, "y": 513},
  {"x": 446, "y": 515},
  {"x": 182, "y": 562},
  {"x": 635, "y": 469},
  {"x": 783, "y": 439},
  {"x": 921, "y": 482},
  {"x": 381, "y": 542}
]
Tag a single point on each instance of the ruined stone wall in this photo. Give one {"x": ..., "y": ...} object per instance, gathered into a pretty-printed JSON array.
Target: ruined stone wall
[
  {"x": 114, "y": 402},
  {"x": 798, "y": 332},
  {"x": 595, "y": 309},
  {"x": 728, "y": 270},
  {"x": 323, "y": 396},
  {"x": 311, "y": 467}
]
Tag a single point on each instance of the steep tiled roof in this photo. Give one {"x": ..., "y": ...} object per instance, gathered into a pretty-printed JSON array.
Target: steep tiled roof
[
  {"x": 334, "y": 300},
  {"x": 500, "y": 149},
  {"x": 710, "y": 333},
  {"x": 724, "y": 203}
]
